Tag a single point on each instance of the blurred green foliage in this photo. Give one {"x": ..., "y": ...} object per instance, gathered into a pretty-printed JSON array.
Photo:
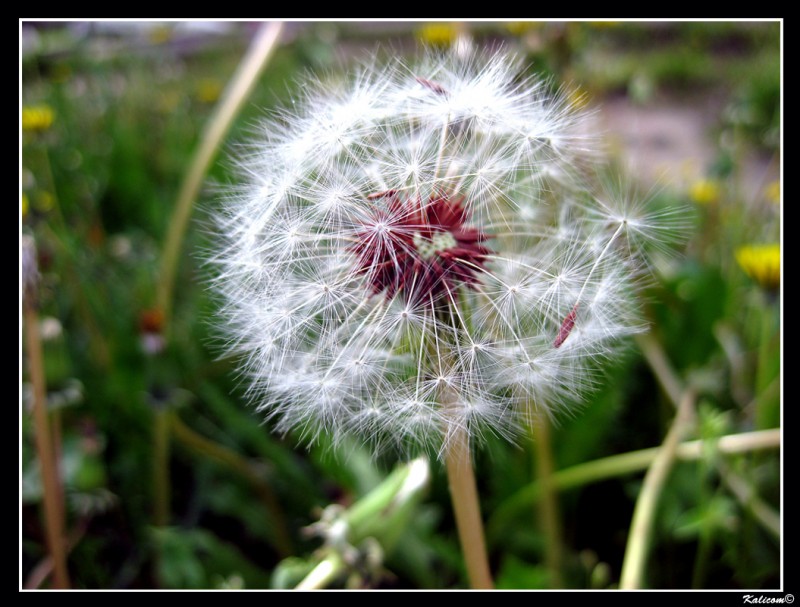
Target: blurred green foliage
[{"x": 98, "y": 185}]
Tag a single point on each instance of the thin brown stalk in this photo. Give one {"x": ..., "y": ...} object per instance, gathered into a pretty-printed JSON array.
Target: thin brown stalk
[
  {"x": 51, "y": 483},
  {"x": 44, "y": 568},
  {"x": 240, "y": 465},
  {"x": 464, "y": 495}
]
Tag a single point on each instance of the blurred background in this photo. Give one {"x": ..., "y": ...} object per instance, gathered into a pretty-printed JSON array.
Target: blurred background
[{"x": 168, "y": 478}]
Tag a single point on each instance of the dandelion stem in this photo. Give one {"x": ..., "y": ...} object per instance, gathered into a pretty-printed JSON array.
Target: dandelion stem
[
  {"x": 464, "y": 495},
  {"x": 633, "y": 564},
  {"x": 232, "y": 100},
  {"x": 51, "y": 483},
  {"x": 548, "y": 505},
  {"x": 463, "y": 489},
  {"x": 620, "y": 465}
]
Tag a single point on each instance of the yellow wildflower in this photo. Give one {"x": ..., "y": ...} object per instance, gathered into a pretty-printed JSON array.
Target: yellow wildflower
[
  {"x": 25, "y": 204},
  {"x": 773, "y": 192},
  {"x": 37, "y": 117},
  {"x": 208, "y": 90},
  {"x": 762, "y": 263},
  {"x": 438, "y": 34},
  {"x": 705, "y": 191},
  {"x": 518, "y": 28},
  {"x": 160, "y": 34}
]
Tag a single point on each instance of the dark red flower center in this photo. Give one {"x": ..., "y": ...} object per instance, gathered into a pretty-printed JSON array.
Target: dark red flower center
[{"x": 420, "y": 250}]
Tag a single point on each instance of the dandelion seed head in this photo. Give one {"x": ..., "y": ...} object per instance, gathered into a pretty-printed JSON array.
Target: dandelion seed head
[{"x": 417, "y": 251}]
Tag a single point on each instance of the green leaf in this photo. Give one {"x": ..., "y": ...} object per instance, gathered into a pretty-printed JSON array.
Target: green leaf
[
  {"x": 517, "y": 574},
  {"x": 195, "y": 558}
]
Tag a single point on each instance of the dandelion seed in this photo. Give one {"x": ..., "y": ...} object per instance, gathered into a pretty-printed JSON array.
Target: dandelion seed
[{"x": 408, "y": 251}]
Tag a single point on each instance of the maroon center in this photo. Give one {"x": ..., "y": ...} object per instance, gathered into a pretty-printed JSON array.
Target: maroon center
[{"x": 422, "y": 251}]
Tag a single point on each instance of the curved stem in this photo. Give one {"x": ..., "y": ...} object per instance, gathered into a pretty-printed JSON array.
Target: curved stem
[
  {"x": 464, "y": 495},
  {"x": 622, "y": 464},
  {"x": 644, "y": 513},
  {"x": 232, "y": 100},
  {"x": 240, "y": 465}
]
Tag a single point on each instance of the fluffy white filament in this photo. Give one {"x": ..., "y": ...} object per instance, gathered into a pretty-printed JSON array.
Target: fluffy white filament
[{"x": 325, "y": 354}]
